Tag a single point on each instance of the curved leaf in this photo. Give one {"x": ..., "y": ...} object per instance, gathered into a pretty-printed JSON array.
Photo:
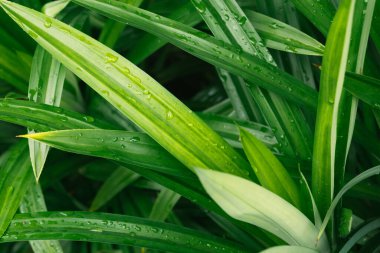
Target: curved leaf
[
  {"x": 115, "y": 229},
  {"x": 209, "y": 49},
  {"x": 131, "y": 91},
  {"x": 127, "y": 147},
  {"x": 249, "y": 202}
]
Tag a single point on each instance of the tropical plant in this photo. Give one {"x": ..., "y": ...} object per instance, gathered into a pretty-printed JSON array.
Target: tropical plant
[{"x": 189, "y": 126}]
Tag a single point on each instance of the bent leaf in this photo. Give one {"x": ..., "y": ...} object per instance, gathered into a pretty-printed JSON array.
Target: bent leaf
[{"x": 249, "y": 202}]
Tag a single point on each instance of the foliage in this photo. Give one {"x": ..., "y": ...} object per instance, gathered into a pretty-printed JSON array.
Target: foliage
[{"x": 189, "y": 126}]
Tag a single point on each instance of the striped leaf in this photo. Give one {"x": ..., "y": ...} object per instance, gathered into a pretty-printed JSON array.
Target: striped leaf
[
  {"x": 261, "y": 208},
  {"x": 131, "y": 91},
  {"x": 332, "y": 79}
]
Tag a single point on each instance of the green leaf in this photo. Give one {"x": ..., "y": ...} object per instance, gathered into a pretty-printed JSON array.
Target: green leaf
[
  {"x": 128, "y": 147},
  {"x": 33, "y": 202},
  {"x": 320, "y": 13},
  {"x": 44, "y": 117},
  {"x": 347, "y": 110},
  {"x": 209, "y": 49},
  {"x": 281, "y": 36},
  {"x": 45, "y": 86},
  {"x": 164, "y": 204},
  {"x": 365, "y": 88},
  {"x": 362, "y": 176},
  {"x": 261, "y": 208},
  {"x": 332, "y": 78},
  {"x": 133, "y": 92},
  {"x": 364, "y": 230},
  {"x": 228, "y": 22},
  {"x": 15, "y": 178},
  {"x": 53, "y": 8},
  {"x": 270, "y": 172},
  {"x": 13, "y": 69},
  {"x": 114, "y": 229},
  {"x": 289, "y": 249},
  {"x": 375, "y": 33},
  {"x": 148, "y": 44},
  {"x": 117, "y": 181}
]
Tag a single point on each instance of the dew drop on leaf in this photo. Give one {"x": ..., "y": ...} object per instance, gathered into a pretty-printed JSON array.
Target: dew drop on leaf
[
  {"x": 169, "y": 115},
  {"x": 110, "y": 58}
]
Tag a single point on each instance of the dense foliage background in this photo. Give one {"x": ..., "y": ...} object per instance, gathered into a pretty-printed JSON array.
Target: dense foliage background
[{"x": 189, "y": 126}]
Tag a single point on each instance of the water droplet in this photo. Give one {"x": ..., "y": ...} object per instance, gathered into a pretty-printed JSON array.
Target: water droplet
[
  {"x": 137, "y": 228},
  {"x": 33, "y": 34},
  {"x": 101, "y": 140},
  {"x": 331, "y": 100},
  {"x": 114, "y": 139},
  {"x": 242, "y": 20},
  {"x": 89, "y": 119},
  {"x": 200, "y": 6},
  {"x": 274, "y": 25},
  {"x": 47, "y": 23},
  {"x": 122, "y": 146},
  {"x": 110, "y": 58},
  {"x": 134, "y": 139},
  {"x": 226, "y": 17},
  {"x": 169, "y": 115},
  {"x": 105, "y": 92}
]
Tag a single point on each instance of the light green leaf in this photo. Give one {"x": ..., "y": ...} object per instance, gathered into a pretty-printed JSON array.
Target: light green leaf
[
  {"x": 132, "y": 91},
  {"x": 53, "y": 8},
  {"x": 281, "y": 36},
  {"x": 45, "y": 86},
  {"x": 249, "y": 202},
  {"x": 332, "y": 78},
  {"x": 270, "y": 172},
  {"x": 289, "y": 249}
]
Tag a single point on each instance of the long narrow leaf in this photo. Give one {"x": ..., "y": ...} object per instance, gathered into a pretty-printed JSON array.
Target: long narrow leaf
[
  {"x": 127, "y": 147},
  {"x": 261, "y": 208},
  {"x": 45, "y": 86},
  {"x": 208, "y": 48},
  {"x": 115, "y": 229},
  {"x": 133, "y": 92},
  {"x": 270, "y": 172},
  {"x": 281, "y": 36},
  {"x": 332, "y": 79},
  {"x": 34, "y": 201},
  {"x": 15, "y": 178}
]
